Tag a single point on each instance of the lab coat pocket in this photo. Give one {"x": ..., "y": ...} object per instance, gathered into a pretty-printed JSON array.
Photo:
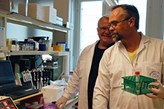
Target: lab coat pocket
[
  {"x": 81, "y": 70},
  {"x": 116, "y": 74},
  {"x": 117, "y": 71},
  {"x": 153, "y": 70}
]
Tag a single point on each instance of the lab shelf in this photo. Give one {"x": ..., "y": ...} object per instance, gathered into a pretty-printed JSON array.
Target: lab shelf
[
  {"x": 27, "y": 21},
  {"x": 59, "y": 34},
  {"x": 24, "y": 20},
  {"x": 17, "y": 53}
]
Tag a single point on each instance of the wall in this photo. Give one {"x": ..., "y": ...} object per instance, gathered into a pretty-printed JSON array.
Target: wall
[
  {"x": 62, "y": 7},
  {"x": 155, "y": 16},
  {"x": 20, "y": 32}
]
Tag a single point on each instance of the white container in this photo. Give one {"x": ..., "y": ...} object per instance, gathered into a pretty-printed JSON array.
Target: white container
[
  {"x": 63, "y": 46},
  {"x": 52, "y": 93},
  {"x": 59, "y": 21}
]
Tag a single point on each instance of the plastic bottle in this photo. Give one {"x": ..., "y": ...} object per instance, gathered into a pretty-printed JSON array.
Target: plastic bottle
[{"x": 137, "y": 82}]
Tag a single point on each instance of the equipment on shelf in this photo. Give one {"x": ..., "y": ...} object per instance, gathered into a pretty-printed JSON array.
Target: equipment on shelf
[{"x": 8, "y": 85}]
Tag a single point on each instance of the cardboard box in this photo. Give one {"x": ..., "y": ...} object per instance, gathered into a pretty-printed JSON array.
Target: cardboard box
[
  {"x": 50, "y": 14},
  {"x": 43, "y": 13},
  {"x": 5, "y": 5},
  {"x": 36, "y": 11},
  {"x": 22, "y": 9}
]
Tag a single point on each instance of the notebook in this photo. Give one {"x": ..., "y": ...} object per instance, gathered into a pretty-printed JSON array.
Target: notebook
[{"x": 8, "y": 86}]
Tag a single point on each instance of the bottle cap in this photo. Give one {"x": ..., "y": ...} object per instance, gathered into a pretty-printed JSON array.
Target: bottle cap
[{"x": 137, "y": 73}]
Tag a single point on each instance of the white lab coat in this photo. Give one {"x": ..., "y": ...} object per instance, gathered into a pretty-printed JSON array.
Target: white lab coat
[
  {"x": 79, "y": 79},
  {"x": 115, "y": 64}
]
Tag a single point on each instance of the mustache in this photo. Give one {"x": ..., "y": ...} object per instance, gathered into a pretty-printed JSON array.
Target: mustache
[{"x": 116, "y": 37}]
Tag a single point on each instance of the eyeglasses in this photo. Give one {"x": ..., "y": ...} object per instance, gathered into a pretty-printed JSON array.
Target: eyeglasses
[
  {"x": 103, "y": 28},
  {"x": 115, "y": 23}
]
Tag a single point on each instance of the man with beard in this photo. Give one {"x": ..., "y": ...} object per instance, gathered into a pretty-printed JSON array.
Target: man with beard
[
  {"x": 85, "y": 74},
  {"x": 132, "y": 51}
]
